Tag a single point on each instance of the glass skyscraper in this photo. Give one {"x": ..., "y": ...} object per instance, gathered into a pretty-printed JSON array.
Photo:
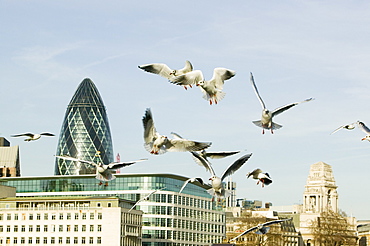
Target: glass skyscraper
[{"x": 85, "y": 132}]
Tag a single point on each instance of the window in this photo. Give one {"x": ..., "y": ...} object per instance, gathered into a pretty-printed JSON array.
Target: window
[
  {"x": 1, "y": 228},
  {"x": 109, "y": 204},
  {"x": 91, "y": 216},
  {"x": 52, "y": 240},
  {"x": 60, "y": 240},
  {"x": 8, "y": 216},
  {"x": 60, "y": 216},
  {"x": 23, "y": 229},
  {"x": 68, "y": 216},
  {"x": 8, "y": 228},
  {"x": 76, "y": 228},
  {"x": 46, "y": 217},
  {"x": 30, "y": 228},
  {"x": 37, "y": 240},
  {"x": 75, "y": 240},
  {"x": 68, "y": 227},
  {"x": 1, "y": 216},
  {"x": 23, "y": 240},
  {"x": 91, "y": 227},
  {"x": 45, "y": 228},
  {"x": 15, "y": 240},
  {"x": 98, "y": 240},
  {"x": 83, "y": 240},
  {"x": 98, "y": 205},
  {"x": 91, "y": 240},
  {"x": 83, "y": 228},
  {"x": 76, "y": 216},
  {"x": 60, "y": 227},
  {"x": 68, "y": 240},
  {"x": 30, "y": 216},
  {"x": 100, "y": 216},
  {"x": 15, "y": 216},
  {"x": 15, "y": 228},
  {"x": 38, "y": 216},
  {"x": 53, "y": 217},
  {"x": 83, "y": 216},
  {"x": 99, "y": 227},
  {"x": 45, "y": 240},
  {"x": 38, "y": 228},
  {"x": 30, "y": 240}
]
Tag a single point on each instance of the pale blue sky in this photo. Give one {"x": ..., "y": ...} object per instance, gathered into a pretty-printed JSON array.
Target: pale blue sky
[{"x": 295, "y": 49}]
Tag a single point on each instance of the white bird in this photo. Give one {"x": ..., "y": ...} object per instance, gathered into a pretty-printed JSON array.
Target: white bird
[
  {"x": 103, "y": 172},
  {"x": 33, "y": 137},
  {"x": 206, "y": 154},
  {"x": 267, "y": 115},
  {"x": 216, "y": 182},
  {"x": 352, "y": 126},
  {"x": 264, "y": 178},
  {"x": 212, "y": 89},
  {"x": 160, "y": 144},
  {"x": 191, "y": 180},
  {"x": 146, "y": 198},
  {"x": 166, "y": 72},
  {"x": 348, "y": 127},
  {"x": 261, "y": 228}
]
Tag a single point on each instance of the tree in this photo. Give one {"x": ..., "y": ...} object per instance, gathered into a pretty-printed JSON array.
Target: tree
[{"x": 332, "y": 229}]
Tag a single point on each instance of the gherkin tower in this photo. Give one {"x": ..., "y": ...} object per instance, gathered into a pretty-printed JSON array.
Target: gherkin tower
[{"x": 85, "y": 132}]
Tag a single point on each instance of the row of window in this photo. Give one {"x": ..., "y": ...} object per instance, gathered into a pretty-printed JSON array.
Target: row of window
[
  {"x": 51, "y": 228},
  {"x": 52, "y": 240},
  {"x": 181, "y": 235},
  {"x": 54, "y": 216}
]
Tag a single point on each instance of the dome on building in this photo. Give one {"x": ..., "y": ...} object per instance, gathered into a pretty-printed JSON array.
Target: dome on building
[{"x": 85, "y": 132}]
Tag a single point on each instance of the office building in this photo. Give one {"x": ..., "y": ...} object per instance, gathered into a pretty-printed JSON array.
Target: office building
[
  {"x": 85, "y": 132},
  {"x": 169, "y": 218},
  {"x": 9, "y": 159}
]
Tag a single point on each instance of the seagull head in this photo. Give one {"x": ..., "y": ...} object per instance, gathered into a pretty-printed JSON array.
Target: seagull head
[
  {"x": 200, "y": 83},
  {"x": 173, "y": 72}
]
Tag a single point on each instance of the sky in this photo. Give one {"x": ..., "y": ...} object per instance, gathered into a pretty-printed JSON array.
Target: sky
[{"x": 295, "y": 50}]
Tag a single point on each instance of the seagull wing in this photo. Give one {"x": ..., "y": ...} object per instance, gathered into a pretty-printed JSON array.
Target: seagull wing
[
  {"x": 220, "y": 154},
  {"x": 274, "y": 222},
  {"x": 286, "y": 107},
  {"x": 256, "y": 91},
  {"x": 24, "y": 134},
  {"x": 235, "y": 166},
  {"x": 150, "y": 133},
  {"x": 245, "y": 232},
  {"x": 47, "y": 134},
  {"x": 363, "y": 127},
  {"x": 185, "y": 145},
  {"x": 116, "y": 165},
  {"x": 203, "y": 162},
  {"x": 254, "y": 173},
  {"x": 69, "y": 158},
  {"x": 190, "y": 78},
  {"x": 157, "y": 68},
  {"x": 220, "y": 75},
  {"x": 185, "y": 183},
  {"x": 348, "y": 127},
  {"x": 175, "y": 135}
]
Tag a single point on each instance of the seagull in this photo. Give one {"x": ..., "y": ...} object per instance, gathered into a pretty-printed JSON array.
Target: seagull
[
  {"x": 352, "y": 126},
  {"x": 264, "y": 178},
  {"x": 205, "y": 154},
  {"x": 146, "y": 198},
  {"x": 267, "y": 115},
  {"x": 166, "y": 72},
  {"x": 212, "y": 89},
  {"x": 216, "y": 182},
  {"x": 160, "y": 144},
  {"x": 103, "y": 172},
  {"x": 33, "y": 137},
  {"x": 191, "y": 180},
  {"x": 261, "y": 228}
]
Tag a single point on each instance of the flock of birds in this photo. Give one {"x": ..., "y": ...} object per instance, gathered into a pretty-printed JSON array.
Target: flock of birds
[{"x": 156, "y": 143}]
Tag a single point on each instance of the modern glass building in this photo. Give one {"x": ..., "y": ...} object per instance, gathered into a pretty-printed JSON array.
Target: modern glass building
[
  {"x": 169, "y": 218},
  {"x": 85, "y": 132}
]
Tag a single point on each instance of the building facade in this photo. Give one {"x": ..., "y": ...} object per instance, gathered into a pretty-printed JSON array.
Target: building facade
[
  {"x": 85, "y": 132},
  {"x": 169, "y": 218},
  {"x": 56, "y": 220},
  {"x": 9, "y": 159}
]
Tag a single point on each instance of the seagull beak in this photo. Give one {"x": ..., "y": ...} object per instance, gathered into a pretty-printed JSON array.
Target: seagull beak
[{"x": 362, "y": 139}]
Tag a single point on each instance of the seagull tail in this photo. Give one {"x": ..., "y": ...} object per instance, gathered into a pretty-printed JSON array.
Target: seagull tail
[{"x": 216, "y": 98}]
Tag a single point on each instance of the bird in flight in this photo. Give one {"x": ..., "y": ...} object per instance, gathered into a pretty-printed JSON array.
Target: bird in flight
[
  {"x": 32, "y": 136},
  {"x": 262, "y": 177},
  {"x": 266, "y": 121}
]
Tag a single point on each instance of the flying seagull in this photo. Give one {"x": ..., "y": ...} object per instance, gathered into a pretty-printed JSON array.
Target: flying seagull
[
  {"x": 207, "y": 154},
  {"x": 216, "y": 182},
  {"x": 261, "y": 228},
  {"x": 264, "y": 178},
  {"x": 166, "y": 72},
  {"x": 267, "y": 115},
  {"x": 212, "y": 89},
  {"x": 146, "y": 198},
  {"x": 103, "y": 172},
  {"x": 352, "y": 126},
  {"x": 191, "y": 180},
  {"x": 33, "y": 137},
  {"x": 160, "y": 144}
]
